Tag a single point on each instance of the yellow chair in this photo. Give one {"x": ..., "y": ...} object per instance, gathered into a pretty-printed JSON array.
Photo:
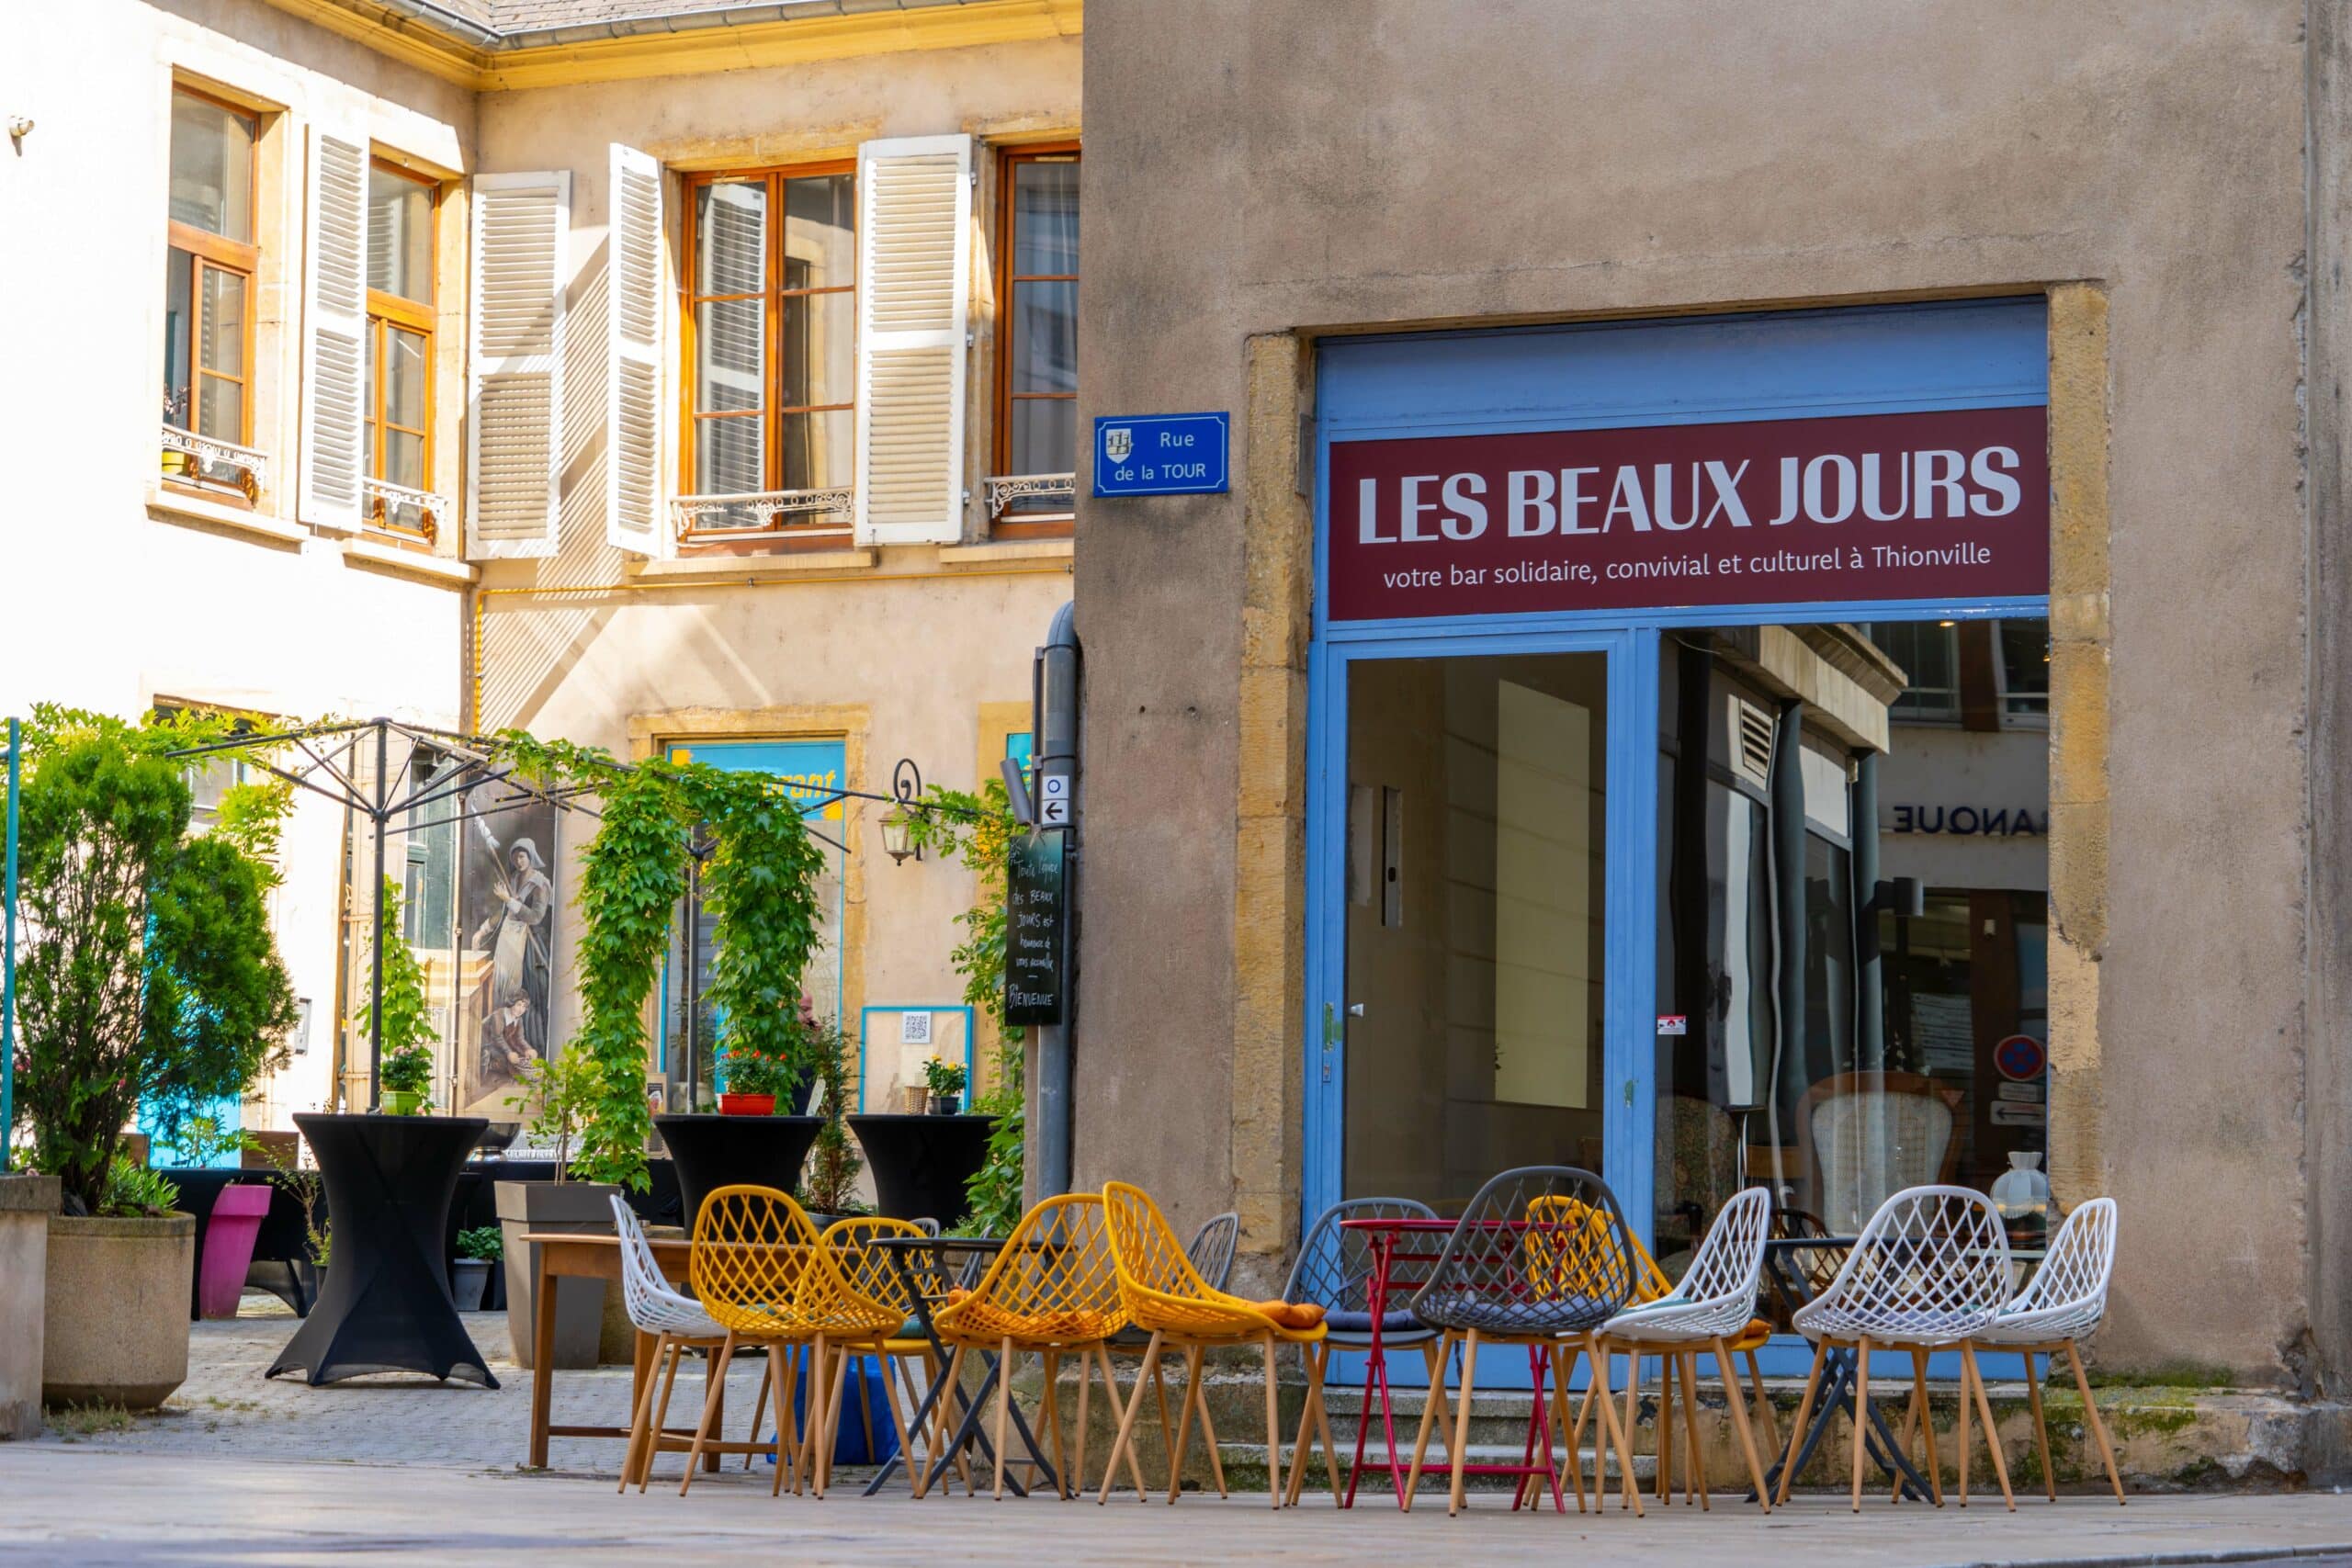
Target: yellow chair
[
  {"x": 766, "y": 1277},
  {"x": 1165, "y": 1296},
  {"x": 1051, "y": 1292},
  {"x": 871, "y": 1272}
]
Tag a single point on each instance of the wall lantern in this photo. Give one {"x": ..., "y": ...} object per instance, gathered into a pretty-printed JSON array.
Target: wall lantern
[{"x": 898, "y": 823}]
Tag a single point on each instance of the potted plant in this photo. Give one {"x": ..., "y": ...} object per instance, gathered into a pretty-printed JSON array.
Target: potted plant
[
  {"x": 404, "y": 1046},
  {"x": 469, "y": 1277},
  {"x": 751, "y": 1080},
  {"x": 946, "y": 1082},
  {"x": 831, "y": 1184},
  {"x": 148, "y": 985},
  {"x": 555, "y": 1101},
  {"x": 231, "y": 1224}
]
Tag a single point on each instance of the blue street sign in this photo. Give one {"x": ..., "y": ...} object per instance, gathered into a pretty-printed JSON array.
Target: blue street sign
[{"x": 1162, "y": 454}]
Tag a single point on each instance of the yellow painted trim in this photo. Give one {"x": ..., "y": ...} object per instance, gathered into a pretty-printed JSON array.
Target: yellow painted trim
[{"x": 793, "y": 41}]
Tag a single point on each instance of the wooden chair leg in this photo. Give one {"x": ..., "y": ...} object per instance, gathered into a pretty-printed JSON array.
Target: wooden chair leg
[
  {"x": 1928, "y": 1426},
  {"x": 1796, "y": 1432},
  {"x": 660, "y": 1418},
  {"x": 1461, "y": 1422},
  {"x": 1665, "y": 1429},
  {"x": 1050, "y": 1411},
  {"x": 1123, "y": 1415},
  {"x": 2091, "y": 1416},
  {"x": 1960, "y": 1431},
  {"x": 2040, "y": 1427},
  {"x": 1121, "y": 1444},
  {"x": 1617, "y": 1435},
  {"x": 1183, "y": 1425},
  {"x": 1085, "y": 1381},
  {"x": 1429, "y": 1415},
  {"x": 1992, "y": 1433},
  {"x": 1273, "y": 1428},
  {"x": 1632, "y": 1411},
  {"x": 1728, "y": 1375},
  {"x": 709, "y": 1408},
  {"x": 898, "y": 1418},
  {"x": 1316, "y": 1369},
  {"x": 1688, "y": 1361},
  {"x": 1197, "y": 1385},
  {"x": 1763, "y": 1405},
  {"x": 833, "y": 1408},
  {"x": 1563, "y": 1366},
  {"x": 1861, "y": 1411},
  {"x": 643, "y": 1413},
  {"x": 1003, "y": 1410},
  {"x": 759, "y": 1401}
]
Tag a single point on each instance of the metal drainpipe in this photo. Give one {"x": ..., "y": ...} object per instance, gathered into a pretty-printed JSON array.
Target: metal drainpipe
[
  {"x": 1058, "y": 670},
  {"x": 1787, "y": 820}
]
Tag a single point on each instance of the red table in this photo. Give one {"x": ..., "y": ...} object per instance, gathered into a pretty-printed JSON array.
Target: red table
[{"x": 1422, "y": 1242}]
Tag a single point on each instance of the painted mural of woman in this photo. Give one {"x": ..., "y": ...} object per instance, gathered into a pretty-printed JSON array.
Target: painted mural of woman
[{"x": 515, "y": 1021}]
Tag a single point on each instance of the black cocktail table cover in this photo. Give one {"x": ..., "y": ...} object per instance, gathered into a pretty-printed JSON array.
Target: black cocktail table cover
[
  {"x": 385, "y": 1306},
  {"x": 920, "y": 1164},
  {"x": 711, "y": 1152}
]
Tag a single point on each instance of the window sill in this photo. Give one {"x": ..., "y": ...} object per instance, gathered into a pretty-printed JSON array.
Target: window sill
[
  {"x": 187, "y": 508},
  {"x": 754, "y": 568},
  {"x": 371, "y": 555},
  {"x": 996, "y": 550}
]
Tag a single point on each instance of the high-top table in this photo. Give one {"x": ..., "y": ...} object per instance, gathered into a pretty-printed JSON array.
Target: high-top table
[{"x": 385, "y": 1306}]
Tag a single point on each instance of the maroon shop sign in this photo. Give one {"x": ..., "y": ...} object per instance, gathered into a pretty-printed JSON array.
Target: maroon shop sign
[{"x": 1953, "y": 504}]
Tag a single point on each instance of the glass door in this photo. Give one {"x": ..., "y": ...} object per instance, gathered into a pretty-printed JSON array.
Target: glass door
[{"x": 1476, "y": 919}]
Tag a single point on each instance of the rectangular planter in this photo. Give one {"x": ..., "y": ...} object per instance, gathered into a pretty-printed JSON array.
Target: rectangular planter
[
  {"x": 573, "y": 1207},
  {"x": 26, "y": 1203},
  {"x": 118, "y": 1293}
]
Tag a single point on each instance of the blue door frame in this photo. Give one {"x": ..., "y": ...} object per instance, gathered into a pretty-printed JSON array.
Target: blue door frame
[{"x": 1895, "y": 359}]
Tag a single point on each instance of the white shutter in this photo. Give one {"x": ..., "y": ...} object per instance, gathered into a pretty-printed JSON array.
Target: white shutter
[
  {"x": 633, "y": 356},
  {"x": 514, "y": 381},
  {"x": 334, "y": 331},
  {"x": 913, "y": 298}
]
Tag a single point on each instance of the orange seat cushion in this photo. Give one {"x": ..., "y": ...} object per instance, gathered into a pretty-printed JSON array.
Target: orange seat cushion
[{"x": 1297, "y": 1316}]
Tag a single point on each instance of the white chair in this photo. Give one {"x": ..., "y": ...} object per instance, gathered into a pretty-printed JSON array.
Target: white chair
[
  {"x": 2064, "y": 1302},
  {"x": 1930, "y": 1272},
  {"x": 678, "y": 1324},
  {"x": 1707, "y": 1310}
]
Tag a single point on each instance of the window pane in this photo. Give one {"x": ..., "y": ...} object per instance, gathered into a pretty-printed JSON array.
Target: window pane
[
  {"x": 1045, "y": 218},
  {"x": 222, "y": 347},
  {"x": 404, "y": 459},
  {"x": 178, "y": 315},
  {"x": 2025, "y": 666},
  {"x": 731, "y": 237},
  {"x": 1930, "y": 654},
  {"x": 1044, "y": 439},
  {"x": 404, "y": 373},
  {"x": 820, "y": 350},
  {"x": 820, "y": 232},
  {"x": 731, "y": 355},
  {"x": 212, "y": 168},
  {"x": 399, "y": 236},
  {"x": 818, "y": 449},
  {"x": 220, "y": 409},
  {"x": 730, "y": 456},
  {"x": 1045, "y": 337}
]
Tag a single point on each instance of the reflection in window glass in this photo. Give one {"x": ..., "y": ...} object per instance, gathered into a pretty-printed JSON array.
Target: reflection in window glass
[
  {"x": 1040, "y": 330},
  {"x": 2025, "y": 667},
  {"x": 1928, "y": 653},
  {"x": 399, "y": 234},
  {"x": 212, "y": 167}
]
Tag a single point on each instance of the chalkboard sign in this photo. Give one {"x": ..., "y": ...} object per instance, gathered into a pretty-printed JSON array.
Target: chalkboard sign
[{"x": 1033, "y": 936}]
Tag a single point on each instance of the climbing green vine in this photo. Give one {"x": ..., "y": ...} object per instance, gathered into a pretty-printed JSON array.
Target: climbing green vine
[
  {"x": 978, "y": 830},
  {"x": 759, "y": 881}
]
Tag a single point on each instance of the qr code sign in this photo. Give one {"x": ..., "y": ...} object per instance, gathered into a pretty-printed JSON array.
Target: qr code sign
[{"x": 915, "y": 1029}]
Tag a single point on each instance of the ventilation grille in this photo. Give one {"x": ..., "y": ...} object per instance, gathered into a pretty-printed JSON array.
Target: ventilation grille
[{"x": 1751, "y": 742}]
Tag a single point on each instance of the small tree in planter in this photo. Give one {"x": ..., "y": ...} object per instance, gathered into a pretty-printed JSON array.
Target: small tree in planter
[
  {"x": 148, "y": 980},
  {"x": 554, "y": 1101},
  {"x": 404, "y": 1057},
  {"x": 831, "y": 1186}
]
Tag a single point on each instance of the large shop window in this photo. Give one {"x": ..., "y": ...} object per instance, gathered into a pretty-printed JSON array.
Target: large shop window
[
  {"x": 1852, "y": 929},
  {"x": 403, "y": 210},
  {"x": 1037, "y": 361},
  {"x": 208, "y": 298},
  {"x": 771, "y": 351}
]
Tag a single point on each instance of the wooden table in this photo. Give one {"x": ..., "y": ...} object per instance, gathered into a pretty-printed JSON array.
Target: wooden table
[{"x": 563, "y": 1256}]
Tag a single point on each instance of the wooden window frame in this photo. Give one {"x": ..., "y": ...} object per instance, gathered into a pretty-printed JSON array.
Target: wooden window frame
[
  {"x": 218, "y": 253},
  {"x": 385, "y": 312},
  {"x": 1049, "y": 526},
  {"x": 773, "y": 293}
]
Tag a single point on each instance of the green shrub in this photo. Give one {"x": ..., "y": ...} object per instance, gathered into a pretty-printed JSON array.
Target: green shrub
[{"x": 486, "y": 1243}]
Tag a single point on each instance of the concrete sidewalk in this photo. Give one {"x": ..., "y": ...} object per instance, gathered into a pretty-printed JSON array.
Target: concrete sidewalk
[{"x": 89, "y": 1506}]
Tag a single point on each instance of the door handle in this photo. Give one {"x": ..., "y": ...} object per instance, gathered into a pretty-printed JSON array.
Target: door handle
[{"x": 1355, "y": 1009}]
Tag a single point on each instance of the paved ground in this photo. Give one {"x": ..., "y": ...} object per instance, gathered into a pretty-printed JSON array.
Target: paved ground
[
  {"x": 61, "y": 1504},
  {"x": 250, "y": 1472}
]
